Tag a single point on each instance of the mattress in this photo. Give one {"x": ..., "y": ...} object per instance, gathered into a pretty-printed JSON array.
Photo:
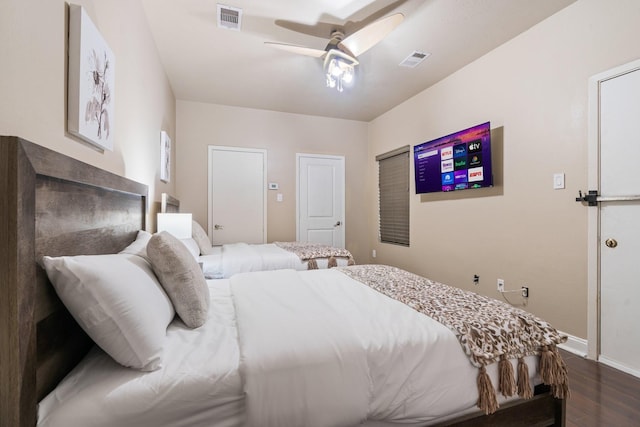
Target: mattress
[
  {"x": 234, "y": 258},
  {"x": 282, "y": 348}
]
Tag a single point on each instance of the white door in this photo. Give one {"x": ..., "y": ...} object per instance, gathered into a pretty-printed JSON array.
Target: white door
[
  {"x": 237, "y": 195},
  {"x": 620, "y": 222},
  {"x": 320, "y": 199}
]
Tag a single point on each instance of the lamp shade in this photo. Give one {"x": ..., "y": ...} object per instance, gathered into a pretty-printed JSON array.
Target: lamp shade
[{"x": 178, "y": 224}]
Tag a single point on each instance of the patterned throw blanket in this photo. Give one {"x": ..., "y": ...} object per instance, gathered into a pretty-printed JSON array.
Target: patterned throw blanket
[
  {"x": 311, "y": 251},
  {"x": 488, "y": 330}
]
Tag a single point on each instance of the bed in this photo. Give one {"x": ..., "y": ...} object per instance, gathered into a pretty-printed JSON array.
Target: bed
[
  {"x": 41, "y": 343},
  {"x": 224, "y": 261}
]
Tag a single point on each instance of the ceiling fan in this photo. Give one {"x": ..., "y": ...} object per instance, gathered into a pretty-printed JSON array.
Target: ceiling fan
[{"x": 340, "y": 54}]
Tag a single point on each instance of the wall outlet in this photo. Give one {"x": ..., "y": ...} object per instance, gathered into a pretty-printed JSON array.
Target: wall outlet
[
  {"x": 373, "y": 253},
  {"x": 500, "y": 285},
  {"x": 476, "y": 279},
  {"x": 525, "y": 292}
]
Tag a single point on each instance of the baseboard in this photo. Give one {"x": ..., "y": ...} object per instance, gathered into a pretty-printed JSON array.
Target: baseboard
[
  {"x": 574, "y": 345},
  {"x": 618, "y": 366},
  {"x": 578, "y": 346}
]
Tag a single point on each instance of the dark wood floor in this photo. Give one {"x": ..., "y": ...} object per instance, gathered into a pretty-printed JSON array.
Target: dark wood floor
[{"x": 600, "y": 395}]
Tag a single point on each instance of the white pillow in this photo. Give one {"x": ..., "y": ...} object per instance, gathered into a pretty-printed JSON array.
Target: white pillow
[
  {"x": 192, "y": 246},
  {"x": 139, "y": 246},
  {"x": 200, "y": 236},
  {"x": 118, "y": 302}
]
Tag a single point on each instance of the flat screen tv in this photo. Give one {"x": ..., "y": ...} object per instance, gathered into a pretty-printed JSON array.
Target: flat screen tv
[{"x": 459, "y": 161}]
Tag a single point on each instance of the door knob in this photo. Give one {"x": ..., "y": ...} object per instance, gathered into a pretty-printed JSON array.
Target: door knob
[
  {"x": 337, "y": 224},
  {"x": 218, "y": 227},
  {"x": 611, "y": 243}
]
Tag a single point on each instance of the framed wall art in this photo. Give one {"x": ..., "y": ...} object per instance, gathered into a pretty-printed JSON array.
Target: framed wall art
[
  {"x": 165, "y": 156},
  {"x": 91, "y": 82}
]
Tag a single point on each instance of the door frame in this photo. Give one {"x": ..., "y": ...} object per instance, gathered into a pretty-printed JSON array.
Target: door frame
[
  {"x": 593, "y": 219},
  {"x": 210, "y": 189},
  {"x": 344, "y": 188}
]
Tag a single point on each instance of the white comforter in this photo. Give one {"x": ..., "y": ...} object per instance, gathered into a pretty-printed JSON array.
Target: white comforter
[
  {"x": 281, "y": 348},
  {"x": 234, "y": 258},
  {"x": 320, "y": 349}
]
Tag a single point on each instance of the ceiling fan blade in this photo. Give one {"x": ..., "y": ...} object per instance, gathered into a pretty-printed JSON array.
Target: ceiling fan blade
[
  {"x": 301, "y": 50},
  {"x": 320, "y": 29},
  {"x": 364, "y": 39}
]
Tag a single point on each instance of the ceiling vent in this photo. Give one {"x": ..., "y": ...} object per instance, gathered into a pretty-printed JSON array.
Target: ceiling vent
[
  {"x": 415, "y": 59},
  {"x": 229, "y": 17}
]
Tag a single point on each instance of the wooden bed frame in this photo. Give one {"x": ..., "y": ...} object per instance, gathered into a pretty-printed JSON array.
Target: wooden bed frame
[
  {"x": 53, "y": 205},
  {"x": 169, "y": 204}
]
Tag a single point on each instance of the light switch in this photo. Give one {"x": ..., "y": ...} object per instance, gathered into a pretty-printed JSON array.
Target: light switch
[
  {"x": 558, "y": 181},
  {"x": 279, "y": 197}
]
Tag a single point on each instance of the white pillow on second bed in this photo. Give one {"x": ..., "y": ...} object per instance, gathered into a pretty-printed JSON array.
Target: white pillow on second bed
[
  {"x": 192, "y": 246},
  {"x": 200, "y": 236}
]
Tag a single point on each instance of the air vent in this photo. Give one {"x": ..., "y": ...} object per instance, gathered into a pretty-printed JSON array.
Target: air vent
[
  {"x": 415, "y": 59},
  {"x": 229, "y": 17}
]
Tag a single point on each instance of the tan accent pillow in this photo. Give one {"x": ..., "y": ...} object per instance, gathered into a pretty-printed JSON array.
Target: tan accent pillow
[
  {"x": 181, "y": 278},
  {"x": 200, "y": 236}
]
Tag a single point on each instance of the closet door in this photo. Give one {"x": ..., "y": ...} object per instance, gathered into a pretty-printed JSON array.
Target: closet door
[
  {"x": 237, "y": 195},
  {"x": 321, "y": 199}
]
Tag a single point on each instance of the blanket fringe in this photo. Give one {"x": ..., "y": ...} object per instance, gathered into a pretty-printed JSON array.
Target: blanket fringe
[
  {"x": 487, "y": 399},
  {"x": 333, "y": 262},
  {"x": 312, "y": 264},
  {"x": 524, "y": 386},
  {"x": 507, "y": 385},
  {"x": 553, "y": 371},
  {"x": 546, "y": 368}
]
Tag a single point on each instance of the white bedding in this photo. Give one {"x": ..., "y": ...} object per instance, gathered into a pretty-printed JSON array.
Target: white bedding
[
  {"x": 282, "y": 348},
  {"x": 233, "y": 258},
  {"x": 198, "y": 383},
  {"x": 320, "y": 349}
]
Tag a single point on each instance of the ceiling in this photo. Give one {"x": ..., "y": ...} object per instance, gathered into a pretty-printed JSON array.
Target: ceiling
[{"x": 205, "y": 63}]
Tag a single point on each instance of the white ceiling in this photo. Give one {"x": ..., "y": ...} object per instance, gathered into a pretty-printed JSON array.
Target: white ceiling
[{"x": 214, "y": 65}]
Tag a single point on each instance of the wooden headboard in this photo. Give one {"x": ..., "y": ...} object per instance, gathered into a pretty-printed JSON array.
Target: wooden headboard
[
  {"x": 50, "y": 204},
  {"x": 169, "y": 204}
]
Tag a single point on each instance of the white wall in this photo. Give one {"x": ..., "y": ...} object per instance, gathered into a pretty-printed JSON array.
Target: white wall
[
  {"x": 533, "y": 89},
  {"x": 33, "y": 85},
  {"x": 282, "y": 135}
]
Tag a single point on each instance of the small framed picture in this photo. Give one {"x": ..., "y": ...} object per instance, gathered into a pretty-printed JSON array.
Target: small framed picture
[{"x": 165, "y": 157}]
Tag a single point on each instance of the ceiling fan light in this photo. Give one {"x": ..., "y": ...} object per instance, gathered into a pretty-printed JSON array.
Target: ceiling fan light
[
  {"x": 335, "y": 68},
  {"x": 339, "y": 69},
  {"x": 331, "y": 82},
  {"x": 347, "y": 76}
]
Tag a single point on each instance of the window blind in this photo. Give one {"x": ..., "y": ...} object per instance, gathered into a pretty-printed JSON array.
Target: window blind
[{"x": 393, "y": 196}]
